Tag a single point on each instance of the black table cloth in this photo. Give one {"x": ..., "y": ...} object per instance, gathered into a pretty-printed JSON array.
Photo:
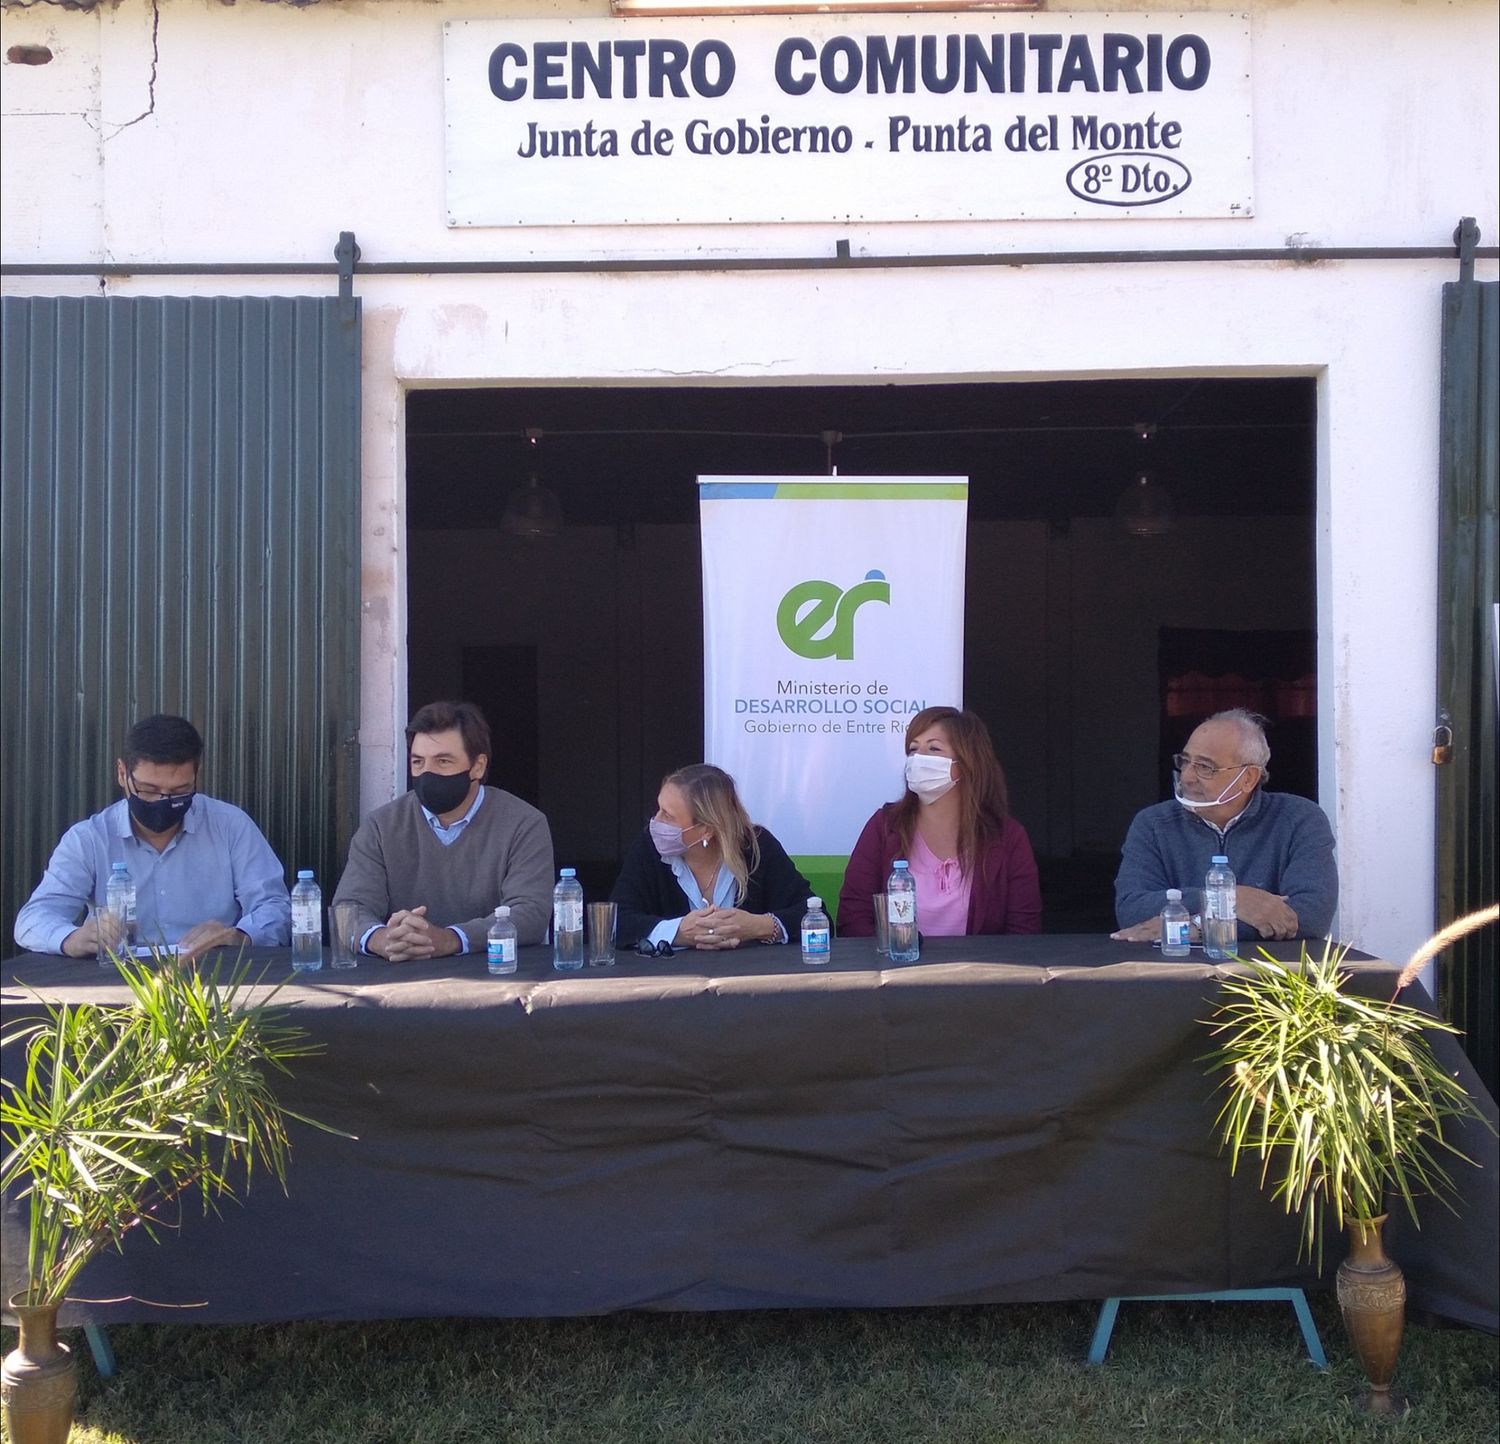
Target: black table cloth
[{"x": 1008, "y": 1120}]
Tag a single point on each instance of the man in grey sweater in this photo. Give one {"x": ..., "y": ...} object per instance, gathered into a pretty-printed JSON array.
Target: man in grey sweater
[
  {"x": 1279, "y": 845},
  {"x": 428, "y": 870}
]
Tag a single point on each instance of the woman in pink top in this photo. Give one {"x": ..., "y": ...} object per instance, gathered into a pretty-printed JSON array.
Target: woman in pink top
[{"x": 972, "y": 860}]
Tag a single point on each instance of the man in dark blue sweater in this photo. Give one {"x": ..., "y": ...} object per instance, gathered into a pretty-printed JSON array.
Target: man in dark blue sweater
[{"x": 1280, "y": 846}]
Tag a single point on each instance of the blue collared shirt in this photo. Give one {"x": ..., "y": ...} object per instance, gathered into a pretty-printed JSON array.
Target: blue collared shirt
[
  {"x": 219, "y": 867},
  {"x": 447, "y": 836}
]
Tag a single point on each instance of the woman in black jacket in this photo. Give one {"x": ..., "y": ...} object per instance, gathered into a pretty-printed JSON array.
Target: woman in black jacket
[{"x": 702, "y": 875}]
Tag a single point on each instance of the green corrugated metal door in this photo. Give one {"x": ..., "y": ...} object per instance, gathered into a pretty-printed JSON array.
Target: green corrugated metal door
[
  {"x": 179, "y": 532},
  {"x": 1468, "y": 595}
]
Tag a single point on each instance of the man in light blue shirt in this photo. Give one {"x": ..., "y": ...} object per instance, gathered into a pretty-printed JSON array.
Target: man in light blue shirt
[{"x": 205, "y": 876}]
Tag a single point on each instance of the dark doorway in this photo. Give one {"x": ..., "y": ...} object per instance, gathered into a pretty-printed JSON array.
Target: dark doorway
[
  {"x": 502, "y": 680},
  {"x": 1068, "y": 613}
]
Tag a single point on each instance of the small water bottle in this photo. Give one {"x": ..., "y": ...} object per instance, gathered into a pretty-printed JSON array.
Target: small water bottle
[
  {"x": 1174, "y": 926},
  {"x": 567, "y": 922},
  {"x": 901, "y": 914},
  {"x": 119, "y": 898},
  {"x": 1221, "y": 928},
  {"x": 307, "y": 924},
  {"x": 816, "y": 934},
  {"x": 500, "y": 949}
]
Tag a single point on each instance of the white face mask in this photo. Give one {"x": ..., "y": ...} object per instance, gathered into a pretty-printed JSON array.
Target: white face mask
[
  {"x": 929, "y": 776},
  {"x": 1223, "y": 797}
]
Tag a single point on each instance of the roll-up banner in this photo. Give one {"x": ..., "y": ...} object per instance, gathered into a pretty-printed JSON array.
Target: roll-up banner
[{"x": 833, "y": 612}]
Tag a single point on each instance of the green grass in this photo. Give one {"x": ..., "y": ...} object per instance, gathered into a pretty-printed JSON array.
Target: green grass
[{"x": 1183, "y": 1372}]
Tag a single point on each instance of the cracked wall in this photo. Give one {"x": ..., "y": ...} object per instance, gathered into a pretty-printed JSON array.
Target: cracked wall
[
  {"x": 54, "y": 165},
  {"x": 200, "y": 131}
]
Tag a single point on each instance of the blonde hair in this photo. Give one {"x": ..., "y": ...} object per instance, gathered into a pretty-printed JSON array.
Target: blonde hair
[{"x": 712, "y": 801}]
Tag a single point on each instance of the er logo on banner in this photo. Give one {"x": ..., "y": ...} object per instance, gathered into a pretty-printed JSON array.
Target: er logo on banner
[{"x": 816, "y": 619}]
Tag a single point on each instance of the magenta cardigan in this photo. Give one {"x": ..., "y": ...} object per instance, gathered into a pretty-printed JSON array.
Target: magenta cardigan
[{"x": 1004, "y": 894}]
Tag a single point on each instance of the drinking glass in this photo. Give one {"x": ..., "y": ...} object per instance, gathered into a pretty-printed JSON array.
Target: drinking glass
[
  {"x": 343, "y": 945},
  {"x": 109, "y": 933},
  {"x": 601, "y": 939}
]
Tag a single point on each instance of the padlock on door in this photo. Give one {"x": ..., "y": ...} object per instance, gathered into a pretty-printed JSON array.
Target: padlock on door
[{"x": 1442, "y": 746}]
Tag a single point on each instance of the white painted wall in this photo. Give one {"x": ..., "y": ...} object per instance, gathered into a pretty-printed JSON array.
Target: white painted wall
[
  {"x": 263, "y": 130},
  {"x": 257, "y": 132}
]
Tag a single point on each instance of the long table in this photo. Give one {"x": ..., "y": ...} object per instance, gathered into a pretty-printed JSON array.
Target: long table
[{"x": 1008, "y": 1120}]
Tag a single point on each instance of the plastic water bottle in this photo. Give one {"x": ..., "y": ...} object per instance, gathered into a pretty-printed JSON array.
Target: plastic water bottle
[
  {"x": 901, "y": 914},
  {"x": 1221, "y": 928},
  {"x": 500, "y": 950},
  {"x": 1174, "y": 926},
  {"x": 119, "y": 898},
  {"x": 567, "y": 922},
  {"x": 307, "y": 924},
  {"x": 816, "y": 934}
]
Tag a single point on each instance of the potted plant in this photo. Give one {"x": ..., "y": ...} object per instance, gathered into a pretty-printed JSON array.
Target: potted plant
[
  {"x": 1343, "y": 1103},
  {"x": 114, "y": 1114}
]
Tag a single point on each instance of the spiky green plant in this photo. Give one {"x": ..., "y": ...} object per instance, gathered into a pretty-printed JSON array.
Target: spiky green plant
[
  {"x": 1339, "y": 1097},
  {"x": 117, "y": 1111}
]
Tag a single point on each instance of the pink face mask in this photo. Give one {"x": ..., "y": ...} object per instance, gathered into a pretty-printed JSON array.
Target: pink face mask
[{"x": 668, "y": 838}]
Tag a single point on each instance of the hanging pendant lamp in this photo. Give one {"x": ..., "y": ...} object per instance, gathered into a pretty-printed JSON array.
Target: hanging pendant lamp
[
  {"x": 532, "y": 510},
  {"x": 1145, "y": 508}
]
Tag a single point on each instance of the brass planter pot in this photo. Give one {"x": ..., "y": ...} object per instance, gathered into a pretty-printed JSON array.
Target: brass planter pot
[
  {"x": 39, "y": 1379},
  {"x": 1372, "y": 1298}
]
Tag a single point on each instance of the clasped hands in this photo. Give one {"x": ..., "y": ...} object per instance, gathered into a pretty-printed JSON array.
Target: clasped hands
[
  {"x": 1268, "y": 913},
  {"x": 408, "y": 937},
  {"x": 718, "y": 929}
]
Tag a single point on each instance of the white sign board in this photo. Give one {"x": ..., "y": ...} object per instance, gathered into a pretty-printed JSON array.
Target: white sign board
[
  {"x": 826, "y": 629},
  {"x": 847, "y": 118}
]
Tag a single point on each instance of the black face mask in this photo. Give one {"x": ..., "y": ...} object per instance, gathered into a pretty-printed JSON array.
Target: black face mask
[
  {"x": 159, "y": 814},
  {"x": 441, "y": 792}
]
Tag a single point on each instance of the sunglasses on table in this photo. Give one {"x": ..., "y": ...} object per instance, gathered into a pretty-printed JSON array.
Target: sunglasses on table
[{"x": 647, "y": 949}]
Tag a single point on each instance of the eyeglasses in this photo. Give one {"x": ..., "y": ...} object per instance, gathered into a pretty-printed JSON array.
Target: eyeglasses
[
  {"x": 647, "y": 949},
  {"x": 155, "y": 794},
  {"x": 1201, "y": 767}
]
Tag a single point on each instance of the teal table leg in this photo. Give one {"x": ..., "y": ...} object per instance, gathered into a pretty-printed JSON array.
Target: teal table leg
[
  {"x": 1309, "y": 1330},
  {"x": 1110, "y": 1308},
  {"x": 1099, "y": 1347},
  {"x": 104, "y": 1356}
]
